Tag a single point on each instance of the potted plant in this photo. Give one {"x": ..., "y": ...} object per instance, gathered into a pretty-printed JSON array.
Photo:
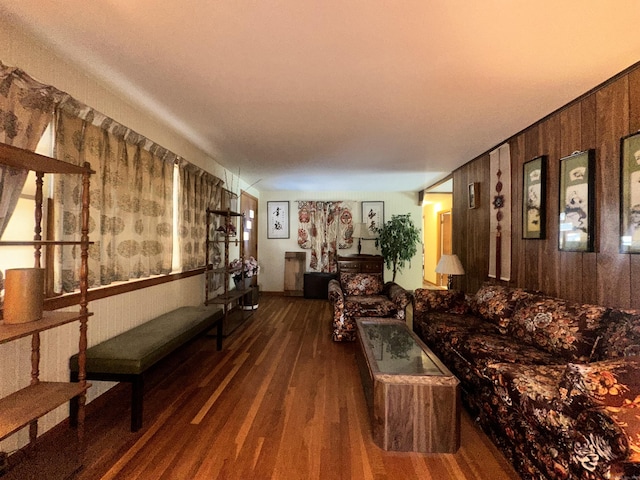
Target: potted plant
[
  {"x": 397, "y": 239},
  {"x": 243, "y": 271}
]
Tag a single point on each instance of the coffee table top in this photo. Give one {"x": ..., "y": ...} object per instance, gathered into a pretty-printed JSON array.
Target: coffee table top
[{"x": 396, "y": 350}]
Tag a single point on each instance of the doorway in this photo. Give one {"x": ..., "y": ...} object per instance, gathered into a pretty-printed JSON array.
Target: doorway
[
  {"x": 437, "y": 208},
  {"x": 249, "y": 207},
  {"x": 444, "y": 242}
]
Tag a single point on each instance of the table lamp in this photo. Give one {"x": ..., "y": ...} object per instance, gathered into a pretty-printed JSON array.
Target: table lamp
[
  {"x": 360, "y": 231},
  {"x": 450, "y": 265}
]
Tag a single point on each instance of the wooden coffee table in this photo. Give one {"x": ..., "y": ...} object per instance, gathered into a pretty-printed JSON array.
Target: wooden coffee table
[{"x": 413, "y": 399}]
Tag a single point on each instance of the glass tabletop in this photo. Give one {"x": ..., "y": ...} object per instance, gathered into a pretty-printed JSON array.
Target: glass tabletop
[{"x": 396, "y": 351}]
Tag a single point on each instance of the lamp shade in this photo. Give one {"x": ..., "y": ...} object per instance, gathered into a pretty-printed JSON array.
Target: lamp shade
[
  {"x": 450, "y": 265},
  {"x": 360, "y": 230}
]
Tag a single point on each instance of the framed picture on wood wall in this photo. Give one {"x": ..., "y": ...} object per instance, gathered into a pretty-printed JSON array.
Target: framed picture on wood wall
[
  {"x": 278, "y": 219},
  {"x": 534, "y": 178},
  {"x": 630, "y": 194},
  {"x": 576, "y": 205},
  {"x": 373, "y": 216}
]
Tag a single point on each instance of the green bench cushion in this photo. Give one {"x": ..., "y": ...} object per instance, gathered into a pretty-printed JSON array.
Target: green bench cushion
[{"x": 135, "y": 350}]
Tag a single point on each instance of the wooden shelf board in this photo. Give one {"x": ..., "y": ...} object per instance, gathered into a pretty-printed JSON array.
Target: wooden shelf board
[
  {"x": 23, "y": 159},
  {"x": 24, "y": 406},
  {"x": 30, "y": 243},
  {"x": 9, "y": 332},
  {"x": 225, "y": 213},
  {"x": 226, "y": 298}
]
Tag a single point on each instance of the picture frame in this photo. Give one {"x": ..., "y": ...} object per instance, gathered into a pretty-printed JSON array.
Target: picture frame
[
  {"x": 630, "y": 193},
  {"x": 278, "y": 219},
  {"x": 576, "y": 202},
  {"x": 373, "y": 216},
  {"x": 473, "y": 195},
  {"x": 534, "y": 193}
]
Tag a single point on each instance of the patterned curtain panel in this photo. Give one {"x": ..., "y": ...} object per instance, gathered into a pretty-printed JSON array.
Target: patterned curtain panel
[
  {"x": 199, "y": 190},
  {"x": 325, "y": 227},
  {"x": 26, "y": 108},
  {"x": 131, "y": 213}
]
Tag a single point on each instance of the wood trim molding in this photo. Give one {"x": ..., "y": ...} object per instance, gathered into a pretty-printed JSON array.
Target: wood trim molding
[{"x": 71, "y": 299}]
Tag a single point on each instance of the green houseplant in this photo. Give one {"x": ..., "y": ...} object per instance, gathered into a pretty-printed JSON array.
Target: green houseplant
[{"x": 397, "y": 239}]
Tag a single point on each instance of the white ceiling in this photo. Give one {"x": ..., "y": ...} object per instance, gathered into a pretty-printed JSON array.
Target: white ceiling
[{"x": 343, "y": 95}]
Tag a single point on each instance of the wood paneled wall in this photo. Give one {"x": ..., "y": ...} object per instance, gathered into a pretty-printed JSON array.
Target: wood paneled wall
[{"x": 596, "y": 120}]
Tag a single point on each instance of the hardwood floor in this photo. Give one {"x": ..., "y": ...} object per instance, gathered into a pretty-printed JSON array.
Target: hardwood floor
[{"x": 281, "y": 401}]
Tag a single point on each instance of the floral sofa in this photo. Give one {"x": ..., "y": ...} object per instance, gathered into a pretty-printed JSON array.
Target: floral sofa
[
  {"x": 356, "y": 295},
  {"x": 555, "y": 384}
]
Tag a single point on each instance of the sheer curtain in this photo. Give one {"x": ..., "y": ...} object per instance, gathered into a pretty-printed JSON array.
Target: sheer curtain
[
  {"x": 325, "y": 227},
  {"x": 26, "y": 108}
]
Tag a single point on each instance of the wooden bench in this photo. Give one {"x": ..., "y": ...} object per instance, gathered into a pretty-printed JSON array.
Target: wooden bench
[{"x": 125, "y": 357}]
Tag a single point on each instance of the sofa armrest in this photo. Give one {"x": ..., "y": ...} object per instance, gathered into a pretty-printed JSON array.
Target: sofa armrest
[{"x": 449, "y": 301}]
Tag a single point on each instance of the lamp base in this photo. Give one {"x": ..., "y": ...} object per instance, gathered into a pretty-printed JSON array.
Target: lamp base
[{"x": 450, "y": 282}]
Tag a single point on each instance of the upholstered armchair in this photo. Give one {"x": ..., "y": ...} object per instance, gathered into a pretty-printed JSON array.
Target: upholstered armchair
[{"x": 356, "y": 295}]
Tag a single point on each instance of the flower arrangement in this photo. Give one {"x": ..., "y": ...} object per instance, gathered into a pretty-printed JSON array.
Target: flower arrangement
[{"x": 245, "y": 269}]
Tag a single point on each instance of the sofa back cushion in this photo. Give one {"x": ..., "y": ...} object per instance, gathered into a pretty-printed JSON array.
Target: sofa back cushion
[
  {"x": 361, "y": 283},
  {"x": 496, "y": 303},
  {"x": 621, "y": 334},
  {"x": 449, "y": 301},
  {"x": 564, "y": 328}
]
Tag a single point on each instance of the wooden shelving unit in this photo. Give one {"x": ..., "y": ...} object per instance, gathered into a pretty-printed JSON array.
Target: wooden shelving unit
[
  {"x": 230, "y": 297},
  {"x": 24, "y": 407}
]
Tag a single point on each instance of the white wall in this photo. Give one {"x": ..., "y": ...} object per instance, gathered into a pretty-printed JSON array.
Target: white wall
[{"x": 271, "y": 251}]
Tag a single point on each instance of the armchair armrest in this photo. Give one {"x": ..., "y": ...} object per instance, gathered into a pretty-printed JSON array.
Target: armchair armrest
[
  {"x": 397, "y": 295},
  {"x": 335, "y": 293}
]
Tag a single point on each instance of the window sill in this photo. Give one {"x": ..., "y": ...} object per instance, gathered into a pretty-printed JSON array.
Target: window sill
[{"x": 71, "y": 299}]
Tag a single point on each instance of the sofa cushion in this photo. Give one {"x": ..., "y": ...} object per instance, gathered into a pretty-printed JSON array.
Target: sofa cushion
[
  {"x": 441, "y": 326},
  {"x": 612, "y": 383},
  {"x": 559, "y": 327},
  {"x": 484, "y": 348},
  {"x": 496, "y": 303},
  {"x": 361, "y": 283},
  {"x": 369, "y": 306},
  {"x": 533, "y": 391},
  {"x": 621, "y": 336},
  {"x": 452, "y": 301}
]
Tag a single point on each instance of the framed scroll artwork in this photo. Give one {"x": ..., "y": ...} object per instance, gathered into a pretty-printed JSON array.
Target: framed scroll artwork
[{"x": 576, "y": 206}]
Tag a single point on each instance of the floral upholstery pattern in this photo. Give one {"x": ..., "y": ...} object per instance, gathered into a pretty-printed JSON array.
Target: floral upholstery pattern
[
  {"x": 452, "y": 301},
  {"x": 389, "y": 301},
  {"x": 496, "y": 303},
  {"x": 559, "y": 327},
  {"x": 361, "y": 283},
  {"x": 621, "y": 337},
  {"x": 526, "y": 377}
]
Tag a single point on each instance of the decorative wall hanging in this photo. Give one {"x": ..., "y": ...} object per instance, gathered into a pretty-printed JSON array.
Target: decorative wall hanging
[
  {"x": 472, "y": 195},
  {"x": 576, "y": 202},
  {"x": 630, "y": 194},
  {"x": 373, "y": 216},
  {"x": 534, "y": 178},
  {"x": 325, "y": 227},
  {"x": 278, "y": 219},
  {"x": 500, "y": 217}
]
